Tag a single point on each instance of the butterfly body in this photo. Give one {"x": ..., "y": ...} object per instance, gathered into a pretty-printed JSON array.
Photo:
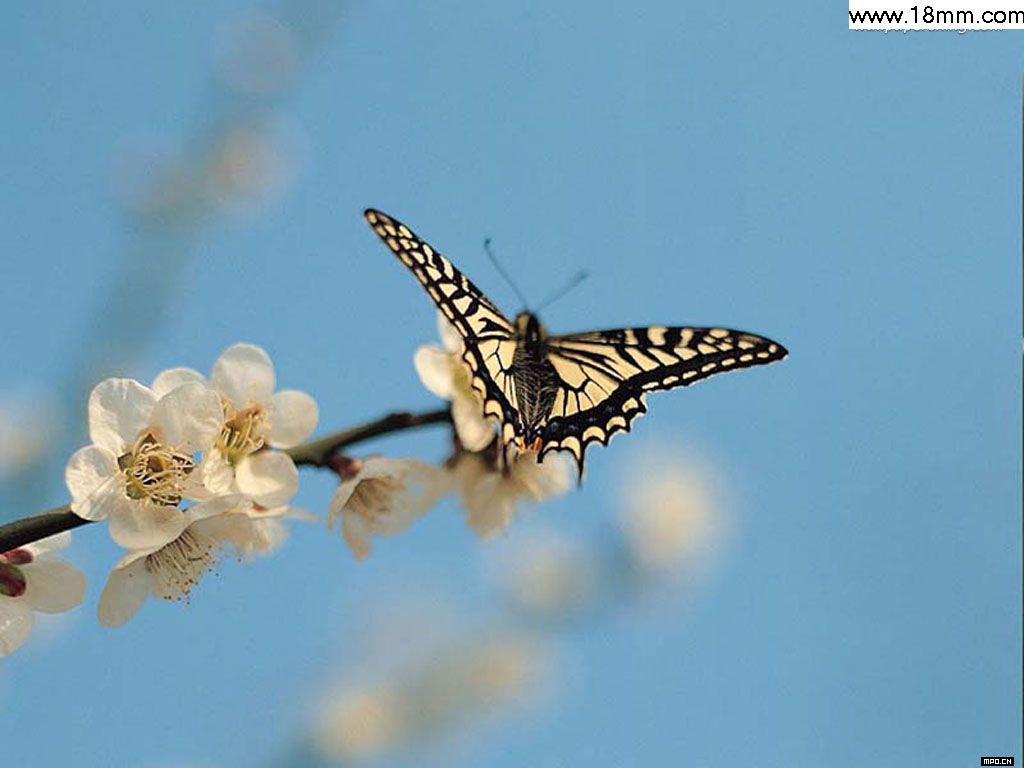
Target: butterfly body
[
  {"x": 535, "y": 379},
  {"x": 563, "y": 393}
]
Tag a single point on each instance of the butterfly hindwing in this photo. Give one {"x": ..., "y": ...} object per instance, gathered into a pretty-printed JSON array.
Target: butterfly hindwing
[{"x": 605, "y": 375}]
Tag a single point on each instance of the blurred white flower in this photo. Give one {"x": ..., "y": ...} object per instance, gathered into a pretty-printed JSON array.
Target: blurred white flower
[
  {"x": 32, "y": 580},
  {"x": 170, "y": 571},
  {"x": 27, "y": 428},
  {"x": 440, "y": 694},
  {"x": 254, "y": 164},
  {"x": 671, "y": 516},
  {"x": 360, "y": 723},
  {"x": 141, "y": 463},
  {"x": 548, "y": 574},
  {"x": 383, "y": 498},
  {"x": 504, "y": 668},
  {"x": 254, "y": 417},
  {"x": 490, "y": 497},
  {"x": 443, "y": 372}
]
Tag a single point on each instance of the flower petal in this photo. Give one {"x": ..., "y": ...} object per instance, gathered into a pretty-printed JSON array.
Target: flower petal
[
  {"x": 217, "y": 475},
  {"x": 385, "y": 466},
  {"x": 542, "y": 481},
  {"x": 127, "y": 588},
  {"x": 173, "y": 378},
  {"x": 92, "y": 477},
  {"x": 244, "y": 374},
  {"x": 217, "y": 506},
  {"x": 434, "y": 367},
  {"x": 141, "y": 526},
  {"x": 340, "y": 498},
  {"x": 426, "y": 479},
  {"x": 295, "y": 513},
  {"x": 489, "y": 507},
  {"x": 268, "y": 478},
  {"x": 468, "y": 470},
  {"x": 119, "y": 410},
  {"x": 449, "y": 336},
  {"x": 475, "y": 432},
  {"x": 294, "y": 417},
  {"x": 189, "y": 417},
  {"x": 298, "y": 513},
  {"x": 273, "y": 534},
  {"x": 15, "y": 624},
  {"x": 50, "y": 544},
  {"x": 248, "y": 535},
  {"x": 53, "y": 586},
  {"x": 357, "y": 534}
]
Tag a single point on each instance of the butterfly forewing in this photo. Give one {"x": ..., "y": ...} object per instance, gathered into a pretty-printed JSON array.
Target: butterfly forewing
[
  {"x": 487, "y": 335},
  {"x": 466, "y": 307}
]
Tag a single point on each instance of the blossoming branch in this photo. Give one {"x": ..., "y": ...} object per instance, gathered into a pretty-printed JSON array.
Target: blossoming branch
[{"x": 190, "y": 466}]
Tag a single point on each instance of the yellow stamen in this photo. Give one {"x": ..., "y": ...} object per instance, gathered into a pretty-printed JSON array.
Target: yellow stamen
[
  {"x": 155, "y": 473},
  {"x": 242, "y": 433}
]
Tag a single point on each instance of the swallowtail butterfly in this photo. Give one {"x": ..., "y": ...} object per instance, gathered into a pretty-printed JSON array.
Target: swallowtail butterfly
[{"x": 562, "y": 393}]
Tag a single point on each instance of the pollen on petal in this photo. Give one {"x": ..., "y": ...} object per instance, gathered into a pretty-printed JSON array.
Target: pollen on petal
[{"x": 178, "y": 566}]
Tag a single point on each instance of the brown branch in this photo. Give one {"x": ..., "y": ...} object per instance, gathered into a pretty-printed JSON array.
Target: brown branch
[{"x": 315, "y": 453}]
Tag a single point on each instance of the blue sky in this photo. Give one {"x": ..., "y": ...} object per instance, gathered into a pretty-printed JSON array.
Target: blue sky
[{"x": 854, "y": 195}]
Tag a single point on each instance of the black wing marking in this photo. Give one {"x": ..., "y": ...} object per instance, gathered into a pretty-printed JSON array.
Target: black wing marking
[
  {"x": 605, "y": 376},
  {"x": 488, "y": 337},
  {"x": 466, "y": 307}
]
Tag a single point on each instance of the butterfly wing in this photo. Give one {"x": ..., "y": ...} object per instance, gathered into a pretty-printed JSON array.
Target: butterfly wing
[
  {"x": 605, "y": 376},
  {"x": 488, "y": 337}
]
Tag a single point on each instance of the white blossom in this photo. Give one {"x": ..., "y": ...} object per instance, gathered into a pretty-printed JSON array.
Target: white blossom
[
  {"x": 361, "y": 723},
  {"x": 171, "y": 571},
  {"x": 443, "y": 372},
  {"x": 141, "y": 463},
  {"x": 548, "y": 574},
  {"x": 437, "y": 694},
  {"x": 255, "y": 417},
  {"x": 32, "y": 580},
  {"x": 672, "y": 516},
  {"x": 27, "y": 429},
  {"x": 490, "y": 497},
  {"x": 384, "y": 497}
]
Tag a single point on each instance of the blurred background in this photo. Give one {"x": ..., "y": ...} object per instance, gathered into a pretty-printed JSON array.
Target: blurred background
[{"x": 816, "y": 561}]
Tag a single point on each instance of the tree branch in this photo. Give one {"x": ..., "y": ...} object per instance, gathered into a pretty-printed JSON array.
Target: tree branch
[{"x": 315, "y": 453}]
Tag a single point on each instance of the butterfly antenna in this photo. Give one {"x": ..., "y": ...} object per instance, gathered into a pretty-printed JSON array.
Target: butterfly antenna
[
  {"x": 576, "y": 279},
  {"x": 502, "y": 272}
]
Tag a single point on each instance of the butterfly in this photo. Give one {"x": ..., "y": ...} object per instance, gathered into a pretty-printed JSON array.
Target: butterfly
[{"x": 562, "y": 393}]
